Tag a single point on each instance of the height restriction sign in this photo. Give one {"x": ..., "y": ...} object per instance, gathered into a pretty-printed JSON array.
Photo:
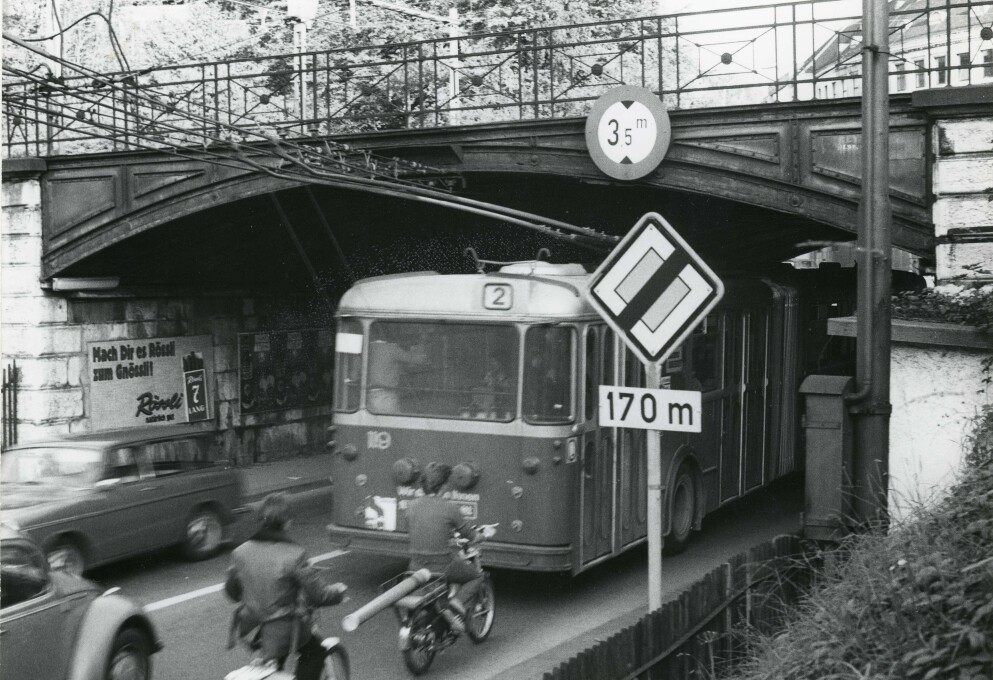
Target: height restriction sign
[{"x": 653, "y": 289}]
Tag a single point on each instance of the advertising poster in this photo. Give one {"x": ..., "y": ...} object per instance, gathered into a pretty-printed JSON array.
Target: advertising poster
[
  {"x": 155, "y": 381},
  {"x": 285, "y": 369}
]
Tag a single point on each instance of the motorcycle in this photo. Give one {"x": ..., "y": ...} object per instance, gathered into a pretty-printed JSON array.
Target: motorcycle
[
  {"x": 336, "y": 664},
  {"x": 424, "y": 614}
]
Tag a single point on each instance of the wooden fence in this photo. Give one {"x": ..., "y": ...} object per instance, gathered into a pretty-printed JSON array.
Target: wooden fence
[{"x": 693, "y": 637}]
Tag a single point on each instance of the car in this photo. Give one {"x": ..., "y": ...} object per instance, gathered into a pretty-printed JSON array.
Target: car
[
  {"x": 94, "y": 498},
  {"x": 57, "y": 625}
]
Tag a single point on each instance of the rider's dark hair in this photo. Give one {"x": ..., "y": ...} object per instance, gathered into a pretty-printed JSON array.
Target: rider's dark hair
[
  {"x": 275, "y": 511},
  {"x": 434, "y": 476}
]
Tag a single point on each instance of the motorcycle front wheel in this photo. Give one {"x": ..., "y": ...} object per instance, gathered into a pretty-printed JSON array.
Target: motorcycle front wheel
[
  {"x": 420, "y": 649},
  {"x": 480, "y": 621},
  {"x": 335, "y": 665}
]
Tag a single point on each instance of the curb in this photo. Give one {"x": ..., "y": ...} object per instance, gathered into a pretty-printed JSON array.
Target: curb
[
  {"x": 291, "y": 489},
  {"x": 303, "y": 495}
]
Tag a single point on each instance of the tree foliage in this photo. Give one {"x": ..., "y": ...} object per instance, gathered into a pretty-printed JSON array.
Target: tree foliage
[{"x": 159, "y": 33}]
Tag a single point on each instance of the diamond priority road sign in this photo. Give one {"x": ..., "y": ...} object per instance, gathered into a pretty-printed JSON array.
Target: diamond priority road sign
[{"x": 653, "y": 289}]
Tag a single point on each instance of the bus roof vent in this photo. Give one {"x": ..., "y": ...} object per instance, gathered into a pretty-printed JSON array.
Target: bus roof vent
[{"x": 540, "y": 268}]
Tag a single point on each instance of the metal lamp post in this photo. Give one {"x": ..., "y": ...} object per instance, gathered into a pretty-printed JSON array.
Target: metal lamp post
[{"x": 303, "y": 13}]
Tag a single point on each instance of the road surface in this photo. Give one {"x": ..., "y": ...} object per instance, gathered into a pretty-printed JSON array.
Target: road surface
[{"x": 541, "y": 619}]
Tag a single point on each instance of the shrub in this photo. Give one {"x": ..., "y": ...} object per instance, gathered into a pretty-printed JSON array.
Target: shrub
[{"x": 914, "y": 604}]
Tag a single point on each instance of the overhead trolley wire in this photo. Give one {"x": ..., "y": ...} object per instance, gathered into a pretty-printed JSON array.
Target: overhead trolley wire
[{"x": 303, "y": 171}]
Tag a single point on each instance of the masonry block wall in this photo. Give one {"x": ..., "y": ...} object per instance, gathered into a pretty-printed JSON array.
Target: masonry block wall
[
  {"x": 246, "y": 438},
  {"x": 962, "y": 184},
  {"x": 36, "y": 331}
]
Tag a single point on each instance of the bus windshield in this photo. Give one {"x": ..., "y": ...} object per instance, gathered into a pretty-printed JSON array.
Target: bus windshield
[{"x": 443, "y": 370}]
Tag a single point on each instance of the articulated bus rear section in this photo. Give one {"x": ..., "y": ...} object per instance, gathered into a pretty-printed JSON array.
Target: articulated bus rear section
[{"x": 497, "y": 374}]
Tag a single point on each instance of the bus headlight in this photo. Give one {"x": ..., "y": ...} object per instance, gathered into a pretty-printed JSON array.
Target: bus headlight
[
  {"x": 531, "y": 465},
  {"x": 406, "y": 471},
  {"x": 465, "y": 476},
  {"x": 349, "y": 452}
]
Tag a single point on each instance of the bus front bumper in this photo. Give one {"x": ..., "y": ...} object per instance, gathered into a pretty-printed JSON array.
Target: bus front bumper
[{"x": 495, "y": 553}]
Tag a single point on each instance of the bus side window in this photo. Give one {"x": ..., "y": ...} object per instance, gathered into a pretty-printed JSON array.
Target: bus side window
[
  {"x": 705, "y": 359},
  {"x": 592, "y": 372},
  {"x": 634, "y": 374},
  {"x": 608, "y": 357}
]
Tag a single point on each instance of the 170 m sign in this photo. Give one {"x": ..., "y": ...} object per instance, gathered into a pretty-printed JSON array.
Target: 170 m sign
[{"x": 670, "y": 410}]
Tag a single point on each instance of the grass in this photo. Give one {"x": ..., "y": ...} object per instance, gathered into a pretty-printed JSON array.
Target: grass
[{"x": 915, "y": 603}]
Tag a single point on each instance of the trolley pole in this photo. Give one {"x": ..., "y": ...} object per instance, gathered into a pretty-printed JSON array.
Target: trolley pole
[
  {"x": 871, "y": 403},
  {"x": 654, "y": 469}
]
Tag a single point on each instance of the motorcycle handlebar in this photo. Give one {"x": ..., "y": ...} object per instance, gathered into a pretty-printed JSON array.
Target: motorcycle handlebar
[{"x": 387, "y": 599}]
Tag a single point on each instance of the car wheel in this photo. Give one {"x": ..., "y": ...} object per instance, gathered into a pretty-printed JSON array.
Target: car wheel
[
  {"x": 204, "y": 534},
  {"x": 68, "y": 557},
  {"x": 130, "y": 657}
]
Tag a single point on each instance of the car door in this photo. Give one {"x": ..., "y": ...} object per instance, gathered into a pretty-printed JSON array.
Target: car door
[
  {"x": 33, "y": 616},
  {"x": 176, "y": 490},
  {"x": 124, "y": 527}
]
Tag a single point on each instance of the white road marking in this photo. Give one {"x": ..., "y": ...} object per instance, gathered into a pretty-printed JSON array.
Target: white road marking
[
  {"x": 178, "y": 599},
  {"x": 210, "y": 590},
  {"x": 328, "y": 556}
]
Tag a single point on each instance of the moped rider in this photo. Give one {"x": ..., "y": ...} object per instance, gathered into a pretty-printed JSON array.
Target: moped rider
[
  {"x": 270, "y": 575},
  {"x": 433, "y": 520}
]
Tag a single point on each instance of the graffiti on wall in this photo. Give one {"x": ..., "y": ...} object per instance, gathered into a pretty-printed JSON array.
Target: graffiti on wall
[
  {"x": 285, "y": 369},
  {"x": 155, "y": 381}
]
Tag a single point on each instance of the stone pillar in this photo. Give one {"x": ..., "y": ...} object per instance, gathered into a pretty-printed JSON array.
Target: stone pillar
[
  {"x": 36, "y": 330},
  {"x": 962, "y": 182}
]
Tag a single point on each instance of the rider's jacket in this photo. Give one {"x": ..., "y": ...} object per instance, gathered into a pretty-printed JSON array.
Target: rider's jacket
[
  {"x": 433, "y": 520},
  {"x": 269, "y": 575}
]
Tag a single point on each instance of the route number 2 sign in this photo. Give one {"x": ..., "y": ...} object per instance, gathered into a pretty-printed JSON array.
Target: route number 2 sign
[{"x": 498, "y": 296}]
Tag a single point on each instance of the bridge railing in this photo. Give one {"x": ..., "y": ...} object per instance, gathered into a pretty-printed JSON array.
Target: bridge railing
[{"x": 760, "y": 55}]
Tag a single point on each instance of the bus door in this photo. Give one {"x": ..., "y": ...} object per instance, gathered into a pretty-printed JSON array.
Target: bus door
[
  {"x": 731, "y": 432},
  {"x": 597, "y": 491},
  {"x": 754, "y": 406},
  {"x": 632, "y": 473}
]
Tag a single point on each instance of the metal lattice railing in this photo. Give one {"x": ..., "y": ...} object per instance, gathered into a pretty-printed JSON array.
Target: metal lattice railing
[
  {"x": 11, "y": 378},
  {"x": 774, "y": 53}
]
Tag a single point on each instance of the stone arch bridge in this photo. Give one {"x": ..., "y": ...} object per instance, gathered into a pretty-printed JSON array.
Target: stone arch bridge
[{"x": 128, "y": 215}]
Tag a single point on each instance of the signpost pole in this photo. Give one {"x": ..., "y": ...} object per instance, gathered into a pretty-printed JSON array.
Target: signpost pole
[
  {"x": 654, "y": 453},
  {"x": 653, "y": 290}
]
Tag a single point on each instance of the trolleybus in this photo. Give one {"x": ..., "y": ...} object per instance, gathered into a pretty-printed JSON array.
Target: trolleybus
[{"x": 496, "y": 374}]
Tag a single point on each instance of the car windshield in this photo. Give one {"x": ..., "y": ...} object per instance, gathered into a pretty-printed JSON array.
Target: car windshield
[{"x": 51, "y": 465}]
